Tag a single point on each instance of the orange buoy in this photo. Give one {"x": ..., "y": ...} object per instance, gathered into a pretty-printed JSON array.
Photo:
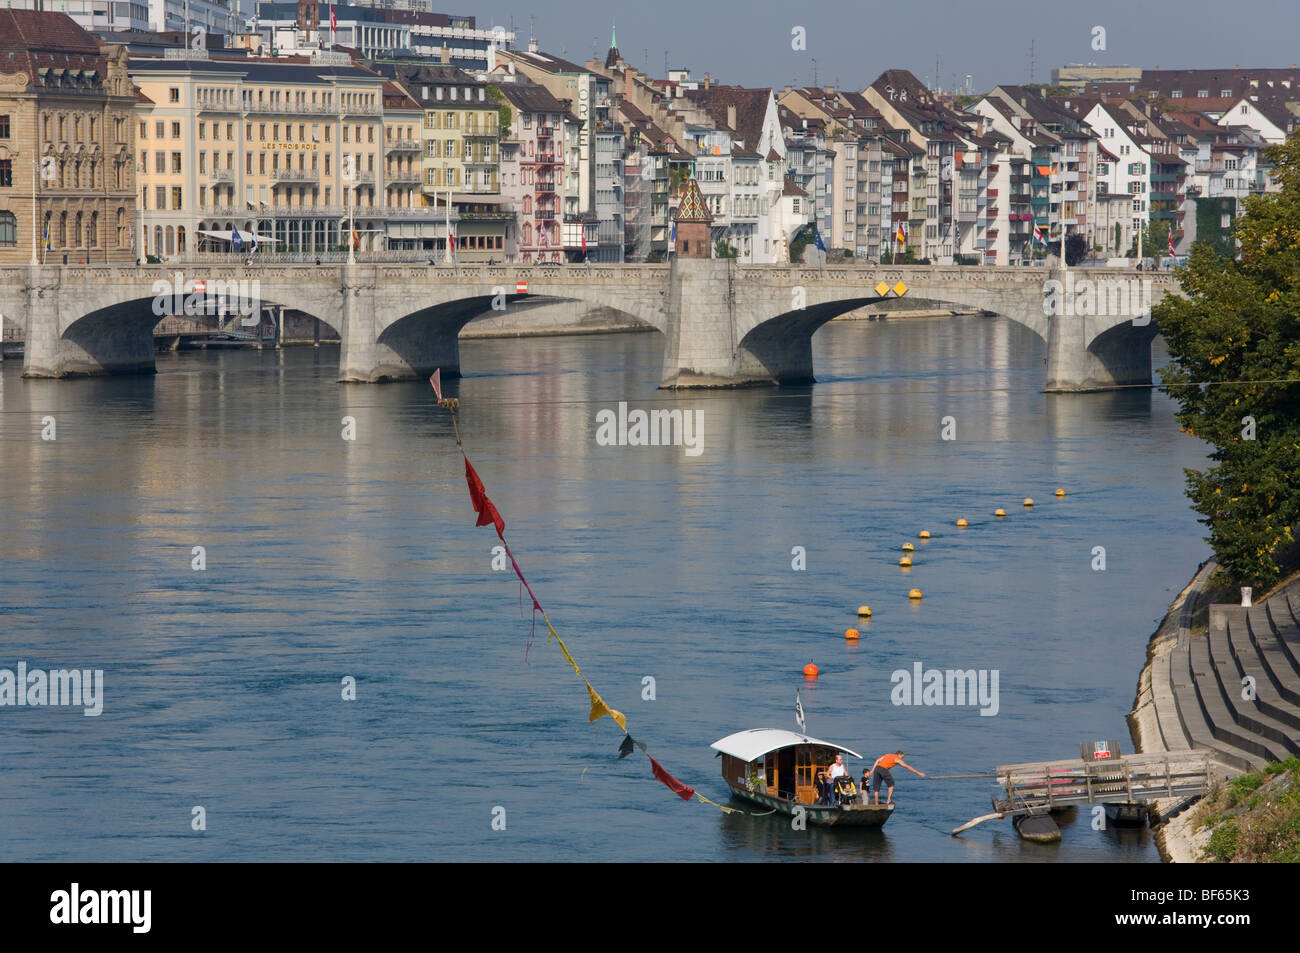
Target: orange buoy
[
  {"x": 810, "y": 670},
  {"x": 908, "y": 547},
  {"x": 864, "y": 611},
  {"x": 925, "y": 534},
  {"x": 905, "y": 562},
  {"x": 851, "y": 634},
  {"x": 999, "y": 512},
  {"x": 962, "y": 524},
  {"x": 914, "y": 594},
  {"x": 1029, "y": 501}
]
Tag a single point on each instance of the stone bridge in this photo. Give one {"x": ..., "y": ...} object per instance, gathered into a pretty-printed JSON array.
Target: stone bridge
[{"x": 723, "y": 323}]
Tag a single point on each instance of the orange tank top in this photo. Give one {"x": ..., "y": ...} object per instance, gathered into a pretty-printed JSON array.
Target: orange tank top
[{"x": 888, "y": 761}]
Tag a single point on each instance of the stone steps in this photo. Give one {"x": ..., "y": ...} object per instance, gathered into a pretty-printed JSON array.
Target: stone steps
[
  {"x": 1276, "y": 739},
  {"x": 1195, "y": 723}
]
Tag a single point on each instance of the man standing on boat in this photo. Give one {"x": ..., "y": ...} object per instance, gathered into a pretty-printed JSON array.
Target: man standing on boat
[{"x": 880, "y": 772}]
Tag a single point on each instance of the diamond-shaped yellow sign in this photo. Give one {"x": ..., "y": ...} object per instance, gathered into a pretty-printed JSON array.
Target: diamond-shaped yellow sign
[
  {"x": 900, "y": 289},
  {"x": 882, "y": 289}
]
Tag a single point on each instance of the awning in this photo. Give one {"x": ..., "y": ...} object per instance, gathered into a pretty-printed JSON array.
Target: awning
[
  {"x": 245, "y": 238},
  {"x": 753, "y": 744}
]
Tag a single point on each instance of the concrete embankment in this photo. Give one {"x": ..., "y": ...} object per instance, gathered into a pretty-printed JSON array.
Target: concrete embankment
[{"x": 1221, "y": 678}]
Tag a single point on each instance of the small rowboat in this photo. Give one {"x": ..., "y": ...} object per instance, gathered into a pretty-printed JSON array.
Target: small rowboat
[{"x": 777, "y": 769}]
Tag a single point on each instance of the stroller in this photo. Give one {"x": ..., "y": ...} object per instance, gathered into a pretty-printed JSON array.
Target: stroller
[{"x": 846, "y": 792}]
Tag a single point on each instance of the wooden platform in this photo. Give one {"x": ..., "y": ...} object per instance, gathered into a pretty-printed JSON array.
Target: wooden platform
[{"x": 1039, "y": 786}]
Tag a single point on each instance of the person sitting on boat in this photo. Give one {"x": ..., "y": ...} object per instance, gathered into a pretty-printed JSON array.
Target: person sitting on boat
[
  {"x": 880, "y": 772},
  {"x": 824, "y": 790}
]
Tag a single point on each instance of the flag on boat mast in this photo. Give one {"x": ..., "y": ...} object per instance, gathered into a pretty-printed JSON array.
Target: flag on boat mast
[{"x": 798, "y": 713}]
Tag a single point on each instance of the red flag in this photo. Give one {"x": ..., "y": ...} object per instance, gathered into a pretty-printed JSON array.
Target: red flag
[
  {"x": 486, "y": 510},
  {"x": 334, "y": 23},
  {"x": 681, "y": 790},
  {"x": 584, "y": 241},
  {"x": 436, "y": 381},
  {"x": 1171, "y": 242}
]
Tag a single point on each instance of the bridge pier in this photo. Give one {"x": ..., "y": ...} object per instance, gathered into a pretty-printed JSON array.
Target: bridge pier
[
  {"x": 1080, "y": 360},
  {"x": 703, "y": 345}
]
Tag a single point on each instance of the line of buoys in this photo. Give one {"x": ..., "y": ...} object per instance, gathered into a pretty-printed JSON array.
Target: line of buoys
[
  {"x": 999, "y": 512},
  {"x": 924, "y": 534},
  {"x": 851, "y": 634},
  {"x": 1060, "y": 492},
  {"x": 864, "y": 612},
  {"x": 914, "y": 594},
  {"x": 962, "y": 524},
  {"x": 905, "y": 562},
  {"x": 1029, "y": 501},
  {"x": 908, "y": 547},
  {"x": 810, "y": 670}
]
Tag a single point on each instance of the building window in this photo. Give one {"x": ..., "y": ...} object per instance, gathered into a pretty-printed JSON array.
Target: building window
[
  {"x": 174, "y": 94},
  {"x": 6, "y": 173},
  {"x": 8, "y": 228},
  {"x": 176, "y": 130},
  {"x": 4, "y": 127},
  {"x": 176, "y": 198}
]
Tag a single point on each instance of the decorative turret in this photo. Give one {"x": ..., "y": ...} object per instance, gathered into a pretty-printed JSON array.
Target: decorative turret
[{"x": 694, "y": 224}]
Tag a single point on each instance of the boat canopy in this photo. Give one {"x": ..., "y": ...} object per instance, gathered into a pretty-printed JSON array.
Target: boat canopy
[{"x": 753, "y": 744}]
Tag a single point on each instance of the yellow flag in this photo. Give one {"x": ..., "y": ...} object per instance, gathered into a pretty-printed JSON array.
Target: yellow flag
[{"x": 598, "y": 708}]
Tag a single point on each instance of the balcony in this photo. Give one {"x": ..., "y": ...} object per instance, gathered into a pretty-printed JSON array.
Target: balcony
[
  {"x": 221, "y": 175},
  {"x": 295, "y": 175},
  {"x": 402, "y": 145},
  {"x": 404, "y": 177},
  {"x": 208, "y": 105},
  {"x": 545, "y": 214},
  {"x": 279, "y": 109}
]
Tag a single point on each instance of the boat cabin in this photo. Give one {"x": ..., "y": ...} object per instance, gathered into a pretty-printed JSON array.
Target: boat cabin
[{"x": 776, "y": 762}]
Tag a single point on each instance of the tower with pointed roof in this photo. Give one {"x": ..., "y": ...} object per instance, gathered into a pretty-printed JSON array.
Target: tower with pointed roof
[
  {"x": 613, "y": 58},
  {"x": 694, "y": 224}
]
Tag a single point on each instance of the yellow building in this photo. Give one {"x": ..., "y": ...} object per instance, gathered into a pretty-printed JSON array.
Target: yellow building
[
  {"x": 287, "y": 150},
  {"x": 461, "y": 156},
  {"x": 65, "y": 143}
]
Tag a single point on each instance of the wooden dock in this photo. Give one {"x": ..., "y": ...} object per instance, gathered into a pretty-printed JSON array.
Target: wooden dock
[{"x": 1039, "y": 787}]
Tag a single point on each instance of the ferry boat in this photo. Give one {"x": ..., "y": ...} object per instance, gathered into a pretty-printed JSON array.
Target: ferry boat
[{"x": 777, "y": 769}]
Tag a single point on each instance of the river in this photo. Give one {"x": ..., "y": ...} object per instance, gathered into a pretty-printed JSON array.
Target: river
[{"x": 329, "y": 558}]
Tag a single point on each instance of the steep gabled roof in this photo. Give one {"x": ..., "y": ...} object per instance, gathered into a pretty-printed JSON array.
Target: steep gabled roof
[{"x": 692, "y": 207}]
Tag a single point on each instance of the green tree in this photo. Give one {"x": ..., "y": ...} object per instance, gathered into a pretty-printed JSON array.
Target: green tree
[
  {"x": 1155, "y": 240},
  {"x": 724, "y": 249},
  {"x": 1234, "y": 336}
]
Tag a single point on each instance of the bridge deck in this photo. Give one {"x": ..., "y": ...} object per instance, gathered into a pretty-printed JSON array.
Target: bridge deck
[{"x": 1045, "y": 785}]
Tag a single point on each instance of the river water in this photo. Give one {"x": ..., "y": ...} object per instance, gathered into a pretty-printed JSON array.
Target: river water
[{"x": 328, "y": 558}]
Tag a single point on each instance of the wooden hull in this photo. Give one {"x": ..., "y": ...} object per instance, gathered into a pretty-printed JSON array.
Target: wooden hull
[{"x": 844, "y": 815}]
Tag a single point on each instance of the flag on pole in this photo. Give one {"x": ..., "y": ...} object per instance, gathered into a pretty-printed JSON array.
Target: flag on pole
[
  {"x": 1171, "y": 243},
  {"x": 817, "y": 235},
  {"x": 584, "y": 241},
  {"x": 901, "y": 237},
  {"x": 356, "y": 239},
  {"x": 672, "y": 237},
  {"x": 47, "y": 236},
  {"x": 1038, "y": 235},
  {"x": 235, "y": 241},
  {"x": 436, "y": 381},
  {"x": 798, "y": 713}
]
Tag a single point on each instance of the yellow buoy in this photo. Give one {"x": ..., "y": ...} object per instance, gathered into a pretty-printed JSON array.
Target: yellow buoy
[
  {"x": 864, "y": 611},
  {"x": 1029, "y": 501},
  {"x": 925, "y": 534},
  {"x": 905, "y": 562},
  {"x": 962, "y": 523},
  {"x": 914, "y": 594},
  {"x": 999, "y": 512},
  {"x": 851, "y": 634},
  {"x": 1060, "y": 492},
  {"x": 908, "y": 547}
]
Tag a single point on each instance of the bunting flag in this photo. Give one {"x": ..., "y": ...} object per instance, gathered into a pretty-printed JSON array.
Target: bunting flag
[
  {"x": 486, "y": 510},
  {"x": 489, "y": 514},
  {"x": 1171, "y": 243},
  {"x": 681, "y": 790},
  {"x": 600, "y": 709}
]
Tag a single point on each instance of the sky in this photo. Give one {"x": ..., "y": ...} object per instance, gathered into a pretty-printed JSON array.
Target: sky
[{"x": 853, "y": 42}]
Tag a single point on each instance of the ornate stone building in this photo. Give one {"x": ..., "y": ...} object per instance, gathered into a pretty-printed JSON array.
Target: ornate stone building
[{"x": 67, "y": 176}]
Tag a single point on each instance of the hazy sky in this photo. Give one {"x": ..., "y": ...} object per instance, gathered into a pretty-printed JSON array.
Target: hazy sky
[{"x": 750, "y": 43}]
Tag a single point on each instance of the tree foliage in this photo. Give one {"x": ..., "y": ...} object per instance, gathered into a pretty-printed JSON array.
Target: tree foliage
[
  {"x": 1234, "y": 335},
  {"x": 1076, "y": 246}
]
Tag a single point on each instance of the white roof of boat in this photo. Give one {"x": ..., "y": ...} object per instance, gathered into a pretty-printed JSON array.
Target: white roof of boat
[{"x": 752, "y": 744}]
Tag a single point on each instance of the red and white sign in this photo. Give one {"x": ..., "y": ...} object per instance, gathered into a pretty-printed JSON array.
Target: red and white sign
[
  {"x": 521, "y": 287},
  {"x": 200, "y": 285}
]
